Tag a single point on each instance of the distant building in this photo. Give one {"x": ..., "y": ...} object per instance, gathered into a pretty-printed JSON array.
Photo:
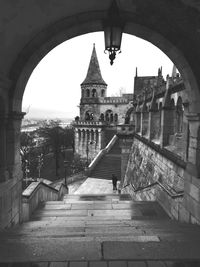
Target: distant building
[{"x": 99, "y": 114}]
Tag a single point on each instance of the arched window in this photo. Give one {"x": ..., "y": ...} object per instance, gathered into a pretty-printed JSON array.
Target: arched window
[
  {"x": 102, "y": 117},
  {"x": 102, "y": 93},
  {"x": 92, "y": 135},
  {"x": 116, "y": 117},
  {"x": 79, "y": 135},
  {"x": 87, "y": 93},
  {"x": 111, "y": 117},
  {"x": 107, "y": 117},
  {"x": 87, "y": 116},
  {"x": 94, "y": 93},
  {"x": 83, "y": 136},
  {"x": 91, "y": 116}
]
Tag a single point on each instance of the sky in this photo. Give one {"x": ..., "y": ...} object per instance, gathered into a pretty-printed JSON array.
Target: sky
[{"x": 53, "y": 89}]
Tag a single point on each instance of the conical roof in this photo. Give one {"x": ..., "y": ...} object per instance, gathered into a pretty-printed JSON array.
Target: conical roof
[{"x": 94, "y": 73}]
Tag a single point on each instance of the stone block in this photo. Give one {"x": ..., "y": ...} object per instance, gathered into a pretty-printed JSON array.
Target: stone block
[
  {"x": 192, "y": 190},
  {"x": 117, "y": 264},
  {"x": 78, "y": 264},
  {"x": 59, "y": 264},
  {"x": 156, "y": 264},
  {"x": 136, "y": 264},
  {"x": 98, "y": 264},
  {"x": 187, "y": 176},
  {"x": 193, "y": 207}
]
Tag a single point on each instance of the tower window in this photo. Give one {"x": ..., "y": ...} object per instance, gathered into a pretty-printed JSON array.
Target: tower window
[
  {"x": 87, "y": 93},
  {"x": 94, "y": 93}
]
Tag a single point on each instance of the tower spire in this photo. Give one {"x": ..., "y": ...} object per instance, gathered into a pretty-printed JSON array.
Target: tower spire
[
  {"x": 174, "y": 71},
  {"x": 94, "y": 73}
]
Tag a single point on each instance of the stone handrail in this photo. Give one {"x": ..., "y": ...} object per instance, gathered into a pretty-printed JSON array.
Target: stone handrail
[
  {"x": 38, "y": 192},
  {"x": 101, "y": 153},
  {"x": 171, "y": 192}
]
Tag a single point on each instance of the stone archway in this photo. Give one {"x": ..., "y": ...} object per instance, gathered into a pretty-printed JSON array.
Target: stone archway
[
  {"x": 91, "y": 22},
  {"x": 145, "y": 20}
]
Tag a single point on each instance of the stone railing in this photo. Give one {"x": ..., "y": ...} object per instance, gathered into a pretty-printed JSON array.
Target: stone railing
[
  {"x": 38, "y": 192},
  {"x": 93, "y": 123},
  {"x": 114, "y": 100},
  {"x": 101, "y": 153},
  {"x": 167, "y": 189}
]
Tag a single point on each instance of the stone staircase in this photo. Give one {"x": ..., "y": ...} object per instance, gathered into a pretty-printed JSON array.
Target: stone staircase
[
  {"x": 109, "y": 164},
  {"x": 101, "y": 231}
]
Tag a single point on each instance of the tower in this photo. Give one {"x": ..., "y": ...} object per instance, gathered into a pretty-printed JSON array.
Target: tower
[{"x": 93, "y": 88}]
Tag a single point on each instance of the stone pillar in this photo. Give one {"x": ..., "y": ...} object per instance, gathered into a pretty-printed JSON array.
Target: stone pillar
[
  {"x": 138, "y": 121},
  {"x": 154, "y": 124},
  {"x": 144, "y": 122},
  {"x": 82, "y": 142},
  {"x": 76, "y": 141},
  {"x": 96, "y": 137},
  {"x": 13, "y": 187},
  {"x": 100, "y": 139},
  {"x": 193, "y": 164},
  {"x": 167, "y": 125},
  {"x": 13, "y": 130},
  {"x": 3, "y": 166}
]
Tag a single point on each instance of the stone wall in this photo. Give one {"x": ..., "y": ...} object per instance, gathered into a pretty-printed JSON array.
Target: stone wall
[
  {"x": 151, "y": 175},
  {"x": 10, "y": 203}
]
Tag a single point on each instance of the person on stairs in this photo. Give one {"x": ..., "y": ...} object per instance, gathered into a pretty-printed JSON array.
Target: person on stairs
[{"x": 114, "y": 181}]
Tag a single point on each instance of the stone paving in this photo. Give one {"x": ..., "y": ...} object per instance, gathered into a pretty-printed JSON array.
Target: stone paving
[
  {"x": 100, "y": 230},
  {"x": 95, "y": 186},
  {"x": 105, "y": 264}
]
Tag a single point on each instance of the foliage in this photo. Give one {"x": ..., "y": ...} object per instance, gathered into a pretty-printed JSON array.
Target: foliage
[
  {"x": 28, "y": 154},
  {"x": 77, "y": 164},
  {"x": 56, "y": 139},
  {"x": 44, "y": 151}
]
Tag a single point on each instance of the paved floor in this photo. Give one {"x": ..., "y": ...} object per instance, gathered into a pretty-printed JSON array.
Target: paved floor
[
  {"x": 95, "y": 186},
  {"x": 100, "y": 230}
]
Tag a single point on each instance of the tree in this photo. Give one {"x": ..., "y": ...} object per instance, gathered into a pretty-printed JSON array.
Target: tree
[
  {"x": 57, "y": 138},
  {"x": 28, "y": 155}
]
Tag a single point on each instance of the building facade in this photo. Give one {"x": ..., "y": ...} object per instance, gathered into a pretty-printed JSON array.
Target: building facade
[{"x": 99, "y": 114}]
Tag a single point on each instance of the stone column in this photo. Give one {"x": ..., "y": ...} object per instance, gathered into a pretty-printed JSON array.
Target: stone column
[
  {"x": 76, "y": 140},
  {"x": 13, "y": 159},
  {"x": 13, "y": 130},
  {"x": 144, "y": 122},
  {"x": 138, "y": 121},
  {"x": 100, "y": 139},
  {"x": 167, "y": 125},
  {"x": 3, "y": 166},
  {"x": 193, "y": 164},
  {"x": 154, "y": 124}
]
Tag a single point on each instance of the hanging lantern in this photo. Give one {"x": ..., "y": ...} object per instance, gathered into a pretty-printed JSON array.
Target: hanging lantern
[{"x": 113, "y": 29}]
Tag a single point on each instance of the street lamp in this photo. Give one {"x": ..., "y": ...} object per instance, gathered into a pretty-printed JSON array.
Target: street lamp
[{"x": 113, "y": 29}]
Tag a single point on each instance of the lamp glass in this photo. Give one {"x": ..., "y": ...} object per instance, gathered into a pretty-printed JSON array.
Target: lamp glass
[{"x": 113, "y": 37}]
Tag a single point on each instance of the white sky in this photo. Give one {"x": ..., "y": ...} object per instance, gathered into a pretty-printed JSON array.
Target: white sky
[{"x": 53, "y": 89}]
